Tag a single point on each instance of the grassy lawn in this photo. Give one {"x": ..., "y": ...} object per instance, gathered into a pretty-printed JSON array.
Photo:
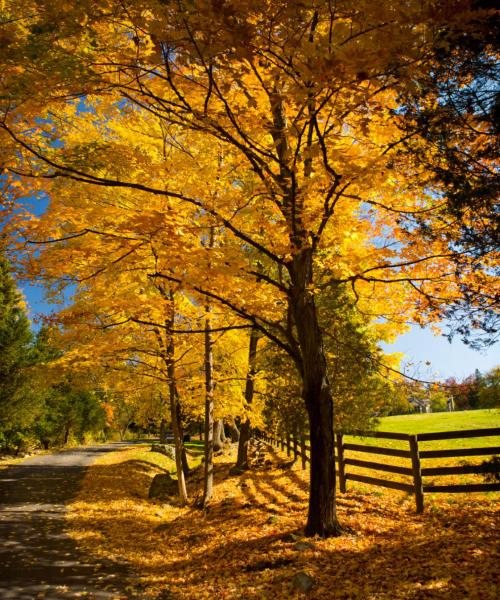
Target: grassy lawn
[
  {"x": 246, "y": 546},
  {"x": 437, "y": 422},
  {"x": 443, "y": 421},
  {"x": 195, "y": 448},
  {"x": 426, "y": 423}
]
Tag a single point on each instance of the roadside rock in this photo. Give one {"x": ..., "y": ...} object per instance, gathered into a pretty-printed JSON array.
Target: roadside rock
[
  {"x": 162, "y": 487},
  {"x": 165, "y": 449},
  {"x": 302, "y": 546},
  {"x": 303, "y": 582}
]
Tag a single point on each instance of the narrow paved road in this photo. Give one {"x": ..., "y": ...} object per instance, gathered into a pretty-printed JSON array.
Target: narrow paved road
[{"x": 37, "y": 559}]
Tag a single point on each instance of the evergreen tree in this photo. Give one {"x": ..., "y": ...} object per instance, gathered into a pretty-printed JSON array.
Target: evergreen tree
[{"x": 15, "y": 338}]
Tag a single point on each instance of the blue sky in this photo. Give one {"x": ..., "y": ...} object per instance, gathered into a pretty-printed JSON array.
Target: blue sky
[{"x": 446, "y": 359}]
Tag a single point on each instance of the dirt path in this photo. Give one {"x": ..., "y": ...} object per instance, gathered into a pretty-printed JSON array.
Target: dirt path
[{"x": 37, "y": 558}]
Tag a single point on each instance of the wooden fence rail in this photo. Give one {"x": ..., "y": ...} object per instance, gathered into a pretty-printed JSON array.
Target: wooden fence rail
[{"x": 415, "y": 454}]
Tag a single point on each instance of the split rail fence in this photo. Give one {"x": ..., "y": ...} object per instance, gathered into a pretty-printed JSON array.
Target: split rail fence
[{"x": 414, "y": 454}]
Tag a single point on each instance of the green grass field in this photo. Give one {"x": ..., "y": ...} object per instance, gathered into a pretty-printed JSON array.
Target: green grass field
[
  {"x": 436, "y": 422},
  {"x": 444, "y": 421},
  {"x": 427, "y": 423}
]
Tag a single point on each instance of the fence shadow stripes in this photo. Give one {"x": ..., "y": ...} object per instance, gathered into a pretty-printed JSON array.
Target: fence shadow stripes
[{"x": 298, "y": 447}]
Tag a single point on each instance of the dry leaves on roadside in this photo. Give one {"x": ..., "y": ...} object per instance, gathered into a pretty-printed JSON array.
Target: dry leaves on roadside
[{"x": 248, "y": 543}]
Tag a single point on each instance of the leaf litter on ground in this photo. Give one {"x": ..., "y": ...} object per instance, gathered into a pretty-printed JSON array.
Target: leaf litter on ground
[{"x": 245, "y": 544}]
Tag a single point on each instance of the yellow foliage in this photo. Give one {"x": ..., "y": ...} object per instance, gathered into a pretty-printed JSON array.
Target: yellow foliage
[{"x": 244, "y": 544}]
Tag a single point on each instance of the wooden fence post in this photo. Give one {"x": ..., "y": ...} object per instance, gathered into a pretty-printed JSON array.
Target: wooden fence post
[
  {"x": 295, "y": 446},
  {"x": 341, "y": 466},
  {"x": 303, "y": 449},
  {"x": 417, "y": 474}
]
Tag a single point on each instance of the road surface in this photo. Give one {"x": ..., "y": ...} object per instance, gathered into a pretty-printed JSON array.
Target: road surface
[{"x": 37, "y": 558}]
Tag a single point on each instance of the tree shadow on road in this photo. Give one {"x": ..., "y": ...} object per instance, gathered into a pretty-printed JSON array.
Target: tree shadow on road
[{"x": 37, "y": 558}]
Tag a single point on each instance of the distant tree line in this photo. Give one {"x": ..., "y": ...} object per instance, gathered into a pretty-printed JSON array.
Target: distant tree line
[{"x": 476, "y": 391}]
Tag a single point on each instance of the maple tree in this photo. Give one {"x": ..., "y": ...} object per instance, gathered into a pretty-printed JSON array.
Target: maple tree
[
  {"x": 145, "y": 331},
  {"x": 280, "y": 124}
]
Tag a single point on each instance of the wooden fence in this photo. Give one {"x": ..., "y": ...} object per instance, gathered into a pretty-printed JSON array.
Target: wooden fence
[{"x": 414, "y": 454}]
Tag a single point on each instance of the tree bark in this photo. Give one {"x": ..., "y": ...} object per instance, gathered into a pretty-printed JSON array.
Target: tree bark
[
  {"x": 218, "y": 435},
  {"x": 163, "y": 431},
  {"x": 167, "y": 349},
  {"x": 209, "y": 412},
  {"x": 322, "y": 517},
  {"x": 242, "y": 459},
  {"x": 184, "y": 460},
  {"x": 234, "y": 432},
  {"x": 173, "y": 399},
  {"x": 66, "y": 435}
]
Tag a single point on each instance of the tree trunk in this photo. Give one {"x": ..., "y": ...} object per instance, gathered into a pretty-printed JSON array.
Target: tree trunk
[
  {"x": 184, "y": 460},
  {"x": 242, "y": 459},
  {"x": 219, "y": 435},
  {"x": 66, "y": 434},
  {"x": 321, "y": 518},
  {"x": 163, "y": 431},
  {"x": 209, "y": 412},
  {"x": 123, "y": 430},
  {"x": 173, "y": 400},
  {"x": 181, "y": 480},
  {"x": 234, "y": 432}
]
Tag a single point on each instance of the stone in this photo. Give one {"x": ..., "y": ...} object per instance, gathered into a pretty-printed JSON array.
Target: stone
[
  {"x": 235, "y": 470},
  {"x": 286, "y": 465},
  {"x": 303, "y": 582},
  {"x": 165, "y": 449},
  {"x": 303, "y": 546},
  {"x": 163, "y": 487},
  {"x": 195, "y": 538},
  {"x": 163, "y": 528}
]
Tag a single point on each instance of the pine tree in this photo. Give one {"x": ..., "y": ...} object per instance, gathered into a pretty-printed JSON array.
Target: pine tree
[{"x": 15, "y": 338}]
